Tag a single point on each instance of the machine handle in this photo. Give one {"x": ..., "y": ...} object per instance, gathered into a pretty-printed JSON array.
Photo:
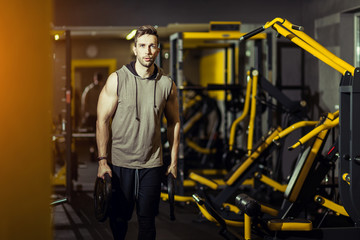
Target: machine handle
[
  {"x": 296, "y": 27},
  {"x": 252, "y": 33}
]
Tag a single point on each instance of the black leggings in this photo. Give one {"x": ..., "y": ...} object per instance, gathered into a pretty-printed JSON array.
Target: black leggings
[{"x": 140, "y": 187}]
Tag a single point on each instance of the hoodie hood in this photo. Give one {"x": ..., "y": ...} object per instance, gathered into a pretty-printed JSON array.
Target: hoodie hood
[{"x": 131, "y": 67}]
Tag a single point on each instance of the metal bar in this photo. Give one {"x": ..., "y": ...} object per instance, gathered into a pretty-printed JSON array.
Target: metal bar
[
  {"x": 68, "y": 127},
  {"x": 212, "y": 87},
  {"x": 218, "y": 35},
  {"x": 177, "y": 44},
  {"x": 260, "y": 67},
  {"x": 225, "y": 98}
]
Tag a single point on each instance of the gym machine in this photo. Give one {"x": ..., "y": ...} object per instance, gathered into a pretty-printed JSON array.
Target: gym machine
[
  {"x": 301, "y": 192},
  {"x": 349, "y": 135}
]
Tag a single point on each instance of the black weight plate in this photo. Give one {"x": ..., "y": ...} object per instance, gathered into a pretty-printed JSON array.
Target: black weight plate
[
  {"x": 102, "y": 196},
  {"x": 171, "y": 193}
]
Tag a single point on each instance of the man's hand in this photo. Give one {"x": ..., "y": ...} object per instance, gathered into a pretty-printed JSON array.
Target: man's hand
[
  {"x": 103, "y": 168},
  {"x": 172, "y": 169}
]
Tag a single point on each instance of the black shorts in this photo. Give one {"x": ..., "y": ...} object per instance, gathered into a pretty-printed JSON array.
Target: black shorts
[{"x": 140, "y": 187}]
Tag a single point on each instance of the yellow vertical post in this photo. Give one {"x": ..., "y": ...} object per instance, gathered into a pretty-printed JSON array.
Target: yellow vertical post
[
  {"x": 244, "y": 113},
  {"x": 247, "y": 227},
  {"x": 255, "y": 74},
  {"x": 25, "y": 103}
]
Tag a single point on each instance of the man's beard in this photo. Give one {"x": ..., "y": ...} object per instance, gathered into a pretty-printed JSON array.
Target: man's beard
[{"x": 146, "y": 64}]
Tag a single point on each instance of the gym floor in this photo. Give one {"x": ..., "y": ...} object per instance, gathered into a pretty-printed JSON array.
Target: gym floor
[{"x": 75, "y": 220}]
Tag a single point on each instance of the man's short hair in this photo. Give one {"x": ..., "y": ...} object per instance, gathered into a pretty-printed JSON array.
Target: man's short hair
[{"x": 146, "y": 29}]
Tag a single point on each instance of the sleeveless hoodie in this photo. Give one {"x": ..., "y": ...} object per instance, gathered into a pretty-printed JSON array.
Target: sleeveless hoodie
[{"x": 136, "y": 136}]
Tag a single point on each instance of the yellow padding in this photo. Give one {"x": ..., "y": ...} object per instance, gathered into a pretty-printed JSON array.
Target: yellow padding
[
  {"x": 210, "y": 218},
  {"x": 189, "y": 183},
  {"x": 272, "y": 183},
  {"x": 290, "y": 225},
  {"x": 234, "y": 223},
  {"x": 222, "y": 183},
  {"x": 331, "y": 205},
  {"x": 219, "y": 182},
  {"x": 269, "y": 210},
  {"x": 192, "y": 183},
  {"x": 186, "y": 199},
  {"x": 204, "y": 181},
  {"x": 209, "y": 171},
  {"x": 177, "y": 198}
]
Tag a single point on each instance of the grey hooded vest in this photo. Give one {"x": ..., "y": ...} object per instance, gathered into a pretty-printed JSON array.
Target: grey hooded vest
[{"x": 136, "y": 135}]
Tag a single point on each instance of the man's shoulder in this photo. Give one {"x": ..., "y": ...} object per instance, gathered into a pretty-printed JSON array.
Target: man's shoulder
[
  {"x": 119, "y": 74},
  {"x": 165, "y": 79},
  {"x": 122, "y": 69}
]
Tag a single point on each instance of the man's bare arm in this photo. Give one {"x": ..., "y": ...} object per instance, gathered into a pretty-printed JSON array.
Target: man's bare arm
[
  {"x": 173, "y": 128},
  {"x": 105, "y": 109}
]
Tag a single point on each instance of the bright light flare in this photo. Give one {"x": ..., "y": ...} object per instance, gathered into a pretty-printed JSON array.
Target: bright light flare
[{"x": 131, "y": 35}]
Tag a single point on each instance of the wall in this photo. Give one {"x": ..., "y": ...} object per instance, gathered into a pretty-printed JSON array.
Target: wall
[
  {"x": 163, "y": 12},
  {"x": 330, "y": 22},
  {"x": 25, "y": 102}
]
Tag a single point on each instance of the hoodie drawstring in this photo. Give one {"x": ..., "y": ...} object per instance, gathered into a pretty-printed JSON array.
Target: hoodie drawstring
[
  {"x": 136, "y": 101},
  {"x": 155, "y": 93}
]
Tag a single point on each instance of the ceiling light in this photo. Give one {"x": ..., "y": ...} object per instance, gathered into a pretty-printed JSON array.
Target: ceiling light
[{"x": 131, "y": 35}]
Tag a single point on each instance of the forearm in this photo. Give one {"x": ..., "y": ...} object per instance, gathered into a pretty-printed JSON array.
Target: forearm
[
  {"x": 173, "y": 134},
  {"x": 102, "y": 137}
]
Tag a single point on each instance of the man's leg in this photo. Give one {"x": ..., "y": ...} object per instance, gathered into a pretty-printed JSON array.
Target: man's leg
[
  {"x": 148, "y": 202},
  {"x": 122, "y": 201},
  {"x": 147, "y": 229}
]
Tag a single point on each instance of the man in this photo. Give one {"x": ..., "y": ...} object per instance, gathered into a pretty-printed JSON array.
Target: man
[
  {"x": 134, "y": 98},
  {"x": 89, "y": 100}
]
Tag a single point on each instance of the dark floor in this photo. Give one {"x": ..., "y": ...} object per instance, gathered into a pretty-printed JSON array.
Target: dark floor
[{"x": 76, "y": 220}]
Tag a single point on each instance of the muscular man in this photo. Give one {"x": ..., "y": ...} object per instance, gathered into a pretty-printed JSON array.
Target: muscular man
[{"x": 134, "y": 98}]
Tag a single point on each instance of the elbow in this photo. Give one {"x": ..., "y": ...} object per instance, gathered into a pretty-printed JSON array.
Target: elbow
[{"x": 101, "y": 122}]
